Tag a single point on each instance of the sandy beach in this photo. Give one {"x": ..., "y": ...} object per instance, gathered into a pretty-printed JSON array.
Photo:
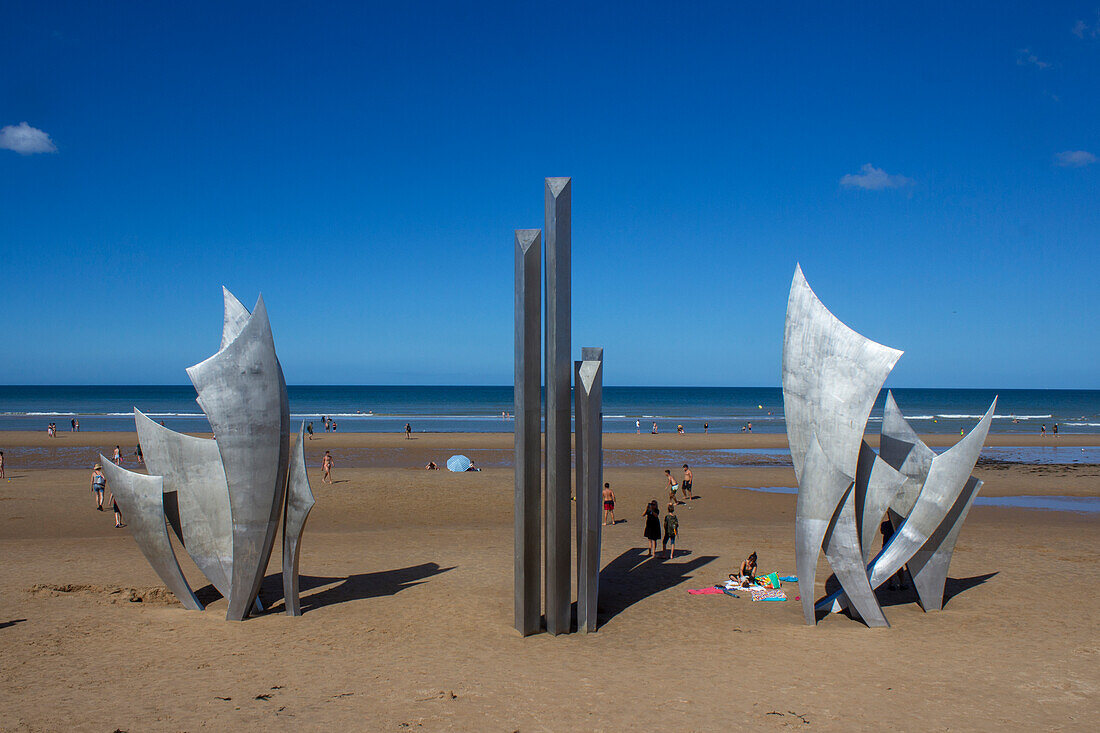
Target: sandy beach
[{"x": 407, "y": 594}]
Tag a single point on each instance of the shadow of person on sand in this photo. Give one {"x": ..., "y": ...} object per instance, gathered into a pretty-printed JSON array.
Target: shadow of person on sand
[
  {"x": 886, "y": 597},
  {"x": 632, "y": 577},
  {"x": 13, "y": 622}
]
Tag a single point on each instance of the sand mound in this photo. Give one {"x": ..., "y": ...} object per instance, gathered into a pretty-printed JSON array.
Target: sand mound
[{"x": 157, "y": 594}]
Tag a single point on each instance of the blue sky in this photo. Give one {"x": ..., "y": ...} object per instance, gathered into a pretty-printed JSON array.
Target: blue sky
[{"x": 933, "y": 168}]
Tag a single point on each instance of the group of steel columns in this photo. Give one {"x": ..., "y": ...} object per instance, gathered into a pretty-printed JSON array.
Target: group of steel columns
[{"x": 531, "y": 512}]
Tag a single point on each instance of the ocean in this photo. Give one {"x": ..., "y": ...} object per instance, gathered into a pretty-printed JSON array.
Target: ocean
[{"x": 478, "y": 409}]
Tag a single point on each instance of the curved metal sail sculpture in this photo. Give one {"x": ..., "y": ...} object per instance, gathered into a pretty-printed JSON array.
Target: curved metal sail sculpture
[
  {"x": 299, "y": 500},
  {"x": 831, "y": 378},
  {"x": 225, "y": 497}
]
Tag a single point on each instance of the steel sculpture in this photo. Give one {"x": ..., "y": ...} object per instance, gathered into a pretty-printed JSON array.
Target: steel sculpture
[
  {"x": 528, "y": 432},
  {"x": 225, "y": 497},
  {"x": 558, "y": 372},
  {"x": 831, "y": 377},
  {"x": 299, "y": 500},
  {"x": 589, "y": 452},
  {"x": 141, "y": 499}
]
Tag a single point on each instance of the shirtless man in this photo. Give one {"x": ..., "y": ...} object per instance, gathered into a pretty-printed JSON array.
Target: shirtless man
[
  {"x": 326, "y": 468},
  {"x": 608, "y": 505},
  {"x": 685, "y": 485}
]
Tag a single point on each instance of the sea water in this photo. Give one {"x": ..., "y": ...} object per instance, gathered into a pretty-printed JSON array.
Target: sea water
[{"x": 480, "y": 408}]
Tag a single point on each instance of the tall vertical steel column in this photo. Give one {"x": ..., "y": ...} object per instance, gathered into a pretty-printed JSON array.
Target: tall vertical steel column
[
  {"x": 558, "y": 459},
  {"x": 528, "y": 427},
  {"x": 589, "y": 414}
]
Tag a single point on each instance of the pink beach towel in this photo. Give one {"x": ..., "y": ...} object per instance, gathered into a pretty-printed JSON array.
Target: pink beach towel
[{"x": 705, "y": 592}]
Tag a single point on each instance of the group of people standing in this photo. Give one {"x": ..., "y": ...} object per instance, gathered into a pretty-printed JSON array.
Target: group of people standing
[
  {"x": 99, "y": 485},
  {"x": 671, "y": 522}
]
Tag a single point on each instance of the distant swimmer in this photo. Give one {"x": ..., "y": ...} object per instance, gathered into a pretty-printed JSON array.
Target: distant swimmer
[{"x": 326, "y": 468}]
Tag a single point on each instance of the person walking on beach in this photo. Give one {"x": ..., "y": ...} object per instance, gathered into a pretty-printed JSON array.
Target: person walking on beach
[
  {"x": 672, "y": 486},
  {"x": 1043, "y": 431},
  {"x": 72, "y": 425},
  {"x": 608, "y": 503},
  {"x": 408, "y": 431},
  {"x": 139, "y": 455},
  {"x": 77, "y": 425},
  {"x": 99, "y": 482},
  {"x": 706, "y": 428},
  {"x": 325, "y": 421},
  {"x": 326, "y": 468},
  {"x": 672, "y": 528},
  {"x": 333, "y": 423},
  {"x": 638, "y": 426},
  {"x": 115, "y": 509},
  {"x": 653, "y": 430},
  {"x": 309, "y": 430},
  {"x": 1054, "y": 429},
  {"x": 1, "y": 464},
  {"x": 750, "y": 427},
  {"x": 685, "y": 485},
  {"x": 117, "y": 457},
  {"x": 652, "y": 526}
]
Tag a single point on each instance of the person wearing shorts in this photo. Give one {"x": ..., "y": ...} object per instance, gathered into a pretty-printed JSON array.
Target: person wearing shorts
[
  {"x": 672, "y": 528},
  {"x": 608, "y": 505},
  {"x": 672, "y": 487},
  {"x": 685, "y": 485},
  {"x": 99, "y": 482}
]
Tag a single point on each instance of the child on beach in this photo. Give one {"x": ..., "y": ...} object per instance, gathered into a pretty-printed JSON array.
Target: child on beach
[
  {"x": 652, "y": 526},
  {"x": 672, "y": 528},
  {"x": 672, "y": 486},
  {"x": 117, "y": 457}
]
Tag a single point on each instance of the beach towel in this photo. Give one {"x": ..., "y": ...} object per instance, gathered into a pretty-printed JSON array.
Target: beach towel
[
  {"x": 705, "y": 591},
  {"x": 789, "y": 578},
  {"x": 768, "y": 594},
  {"x": 729, "y": 592}
]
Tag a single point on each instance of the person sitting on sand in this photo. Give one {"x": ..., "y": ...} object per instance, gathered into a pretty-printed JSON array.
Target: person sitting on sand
[
  {"x": 99, "y": 482},
  {"x": 608, "y": 503},
  {"x": 432, "y": 466},
  {"x": 473, "y": 467},
  {"x": 652, "y": 526},
  {"x": 672, "y": 528},
  {"x": 748, "y": 568}
]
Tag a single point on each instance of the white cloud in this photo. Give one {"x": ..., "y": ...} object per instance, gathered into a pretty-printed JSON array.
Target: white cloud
[
  {"x": 1081, "y": 29},
  {"x": 24, "y": 139},
  {"x": 874, "y": 179},
  {"x": 1074, "y": 158},
  {"x": 1024, "y": 57}
]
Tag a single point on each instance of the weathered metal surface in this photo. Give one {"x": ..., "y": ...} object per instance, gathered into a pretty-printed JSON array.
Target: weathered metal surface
[
  {"x": 299, "y": 500},
  {"x": 141, "y": 499},
  {"x": 842, "y": 548},
  {"x": 589, "y": 437},
  {"x": 192, "y": 472},
  {"x": 928, "y": 566},
  {"x": 946, "y": 479},
  {"x": 242, "y": 391},
  {"x": 234, "y": 319},
  {"x": 557, "y": 506},
  {"x": 901, "y": 448},
  {"x": 831, "y": 377},
  {"x": 877, "y": 485},
  {"x": 528, "y": 431}
]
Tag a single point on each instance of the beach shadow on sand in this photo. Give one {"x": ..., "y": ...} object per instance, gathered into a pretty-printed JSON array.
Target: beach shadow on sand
[
  {"x": 13, "y": 622},
  {"x": 632, "y": 577},
  {"x": 886, "y": 597},
  {"x": 343, "y": 588}
]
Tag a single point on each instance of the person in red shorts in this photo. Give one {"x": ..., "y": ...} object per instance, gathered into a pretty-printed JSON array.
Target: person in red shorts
[{"x": 608, "y": 505}]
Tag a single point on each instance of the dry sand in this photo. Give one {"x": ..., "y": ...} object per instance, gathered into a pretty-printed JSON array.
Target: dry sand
[{"x": 407, "y": 593}]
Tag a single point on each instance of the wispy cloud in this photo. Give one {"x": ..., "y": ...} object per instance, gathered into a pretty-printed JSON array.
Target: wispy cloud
[
  {"x": 1024, "y": 57},
  {"x": 25, "y": 140},
  {"x": 1081, "y": 29},
  {"x": 1074, "y": 158},
  {"x": 874, "y": 179}
]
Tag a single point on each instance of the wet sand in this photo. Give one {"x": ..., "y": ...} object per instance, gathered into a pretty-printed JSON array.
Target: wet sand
[{"x": 407, "y": 593}]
